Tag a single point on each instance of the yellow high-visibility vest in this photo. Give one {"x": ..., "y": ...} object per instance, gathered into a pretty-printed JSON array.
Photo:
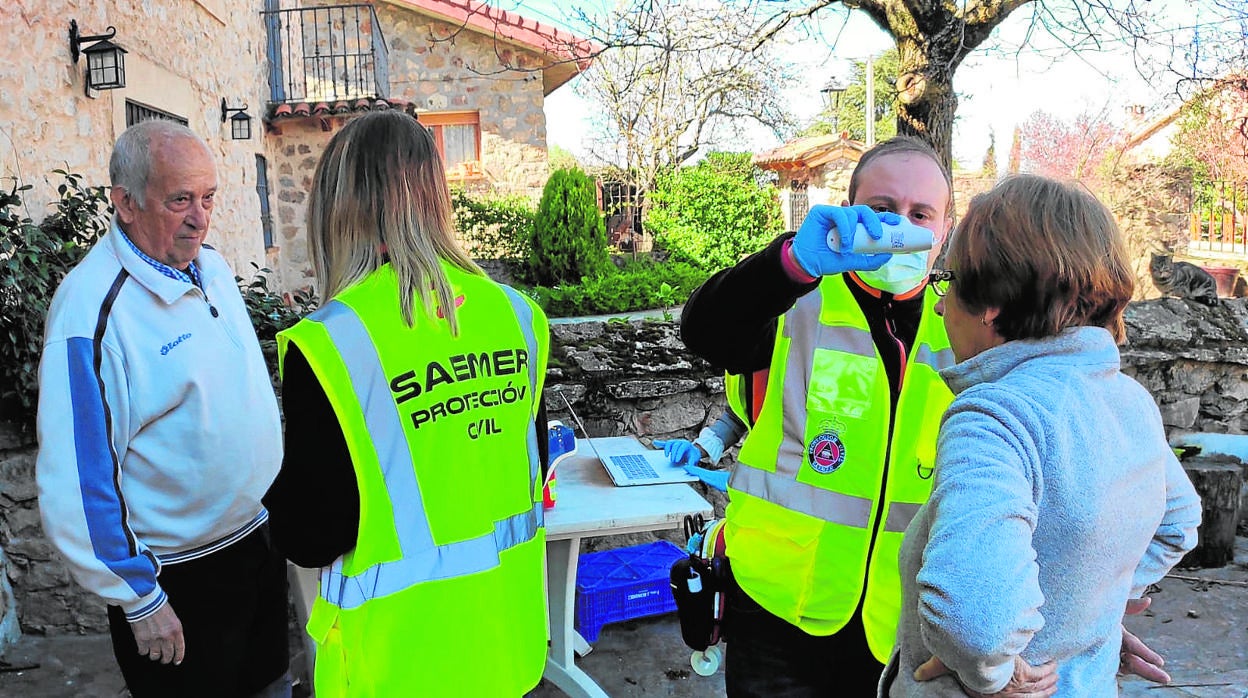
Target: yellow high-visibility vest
[
  {"x": 744, "y": 393},
  {"x": 815, "y": 519},
  {"x": 734, "y": 392},
  {"x": 442, "y": 594}
]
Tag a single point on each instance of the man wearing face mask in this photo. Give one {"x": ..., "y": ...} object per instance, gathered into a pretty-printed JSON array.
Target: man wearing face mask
[{"x": 841, "y": 454}]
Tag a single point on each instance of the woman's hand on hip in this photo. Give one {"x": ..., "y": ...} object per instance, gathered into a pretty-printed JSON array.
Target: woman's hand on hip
[{"x": 1027, "y": 682}]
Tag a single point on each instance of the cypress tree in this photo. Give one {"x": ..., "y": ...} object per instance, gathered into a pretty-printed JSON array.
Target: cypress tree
[{"x": 569, "y": 234}]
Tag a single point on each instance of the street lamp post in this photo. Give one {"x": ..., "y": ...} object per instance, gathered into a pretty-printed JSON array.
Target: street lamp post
[
  {"x": 836, "y": 85},
  {"x": 831, "y": 92},
  {"x": 870, "y": 101}
]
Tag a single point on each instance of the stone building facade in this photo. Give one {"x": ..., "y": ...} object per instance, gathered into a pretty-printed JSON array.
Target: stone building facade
[
  {"x": 453, "y": 63},
  {"x": 486, "y": 74},
  {"x": 441, "y": 68},
  {"x": 637, "y": 378},
  {"x": 811, "y": 171},
  {"x": 487, "y": 68},
  {"x": 182, "y": 58}
]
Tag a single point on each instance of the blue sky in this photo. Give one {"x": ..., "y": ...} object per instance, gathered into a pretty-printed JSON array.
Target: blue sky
[{"x": 997, "y": 87}]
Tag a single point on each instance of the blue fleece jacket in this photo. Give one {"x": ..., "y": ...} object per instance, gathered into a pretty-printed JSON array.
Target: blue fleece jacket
[{"x": 1056, "y": 498}]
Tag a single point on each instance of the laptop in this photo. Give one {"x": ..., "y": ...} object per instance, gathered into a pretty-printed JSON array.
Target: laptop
[{"x": 628, "y": 461}]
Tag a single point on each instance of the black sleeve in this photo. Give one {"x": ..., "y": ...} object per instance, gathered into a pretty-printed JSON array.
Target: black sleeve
[
  {"x": 731, "y": 319},
  {"x": 314, "y": 504},
  {"x": 543, "y": 438}
]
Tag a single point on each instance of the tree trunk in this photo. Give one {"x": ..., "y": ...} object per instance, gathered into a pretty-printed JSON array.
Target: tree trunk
[
  {"x": 926, "y": 102},
  {"x": 933, "y": 36}
]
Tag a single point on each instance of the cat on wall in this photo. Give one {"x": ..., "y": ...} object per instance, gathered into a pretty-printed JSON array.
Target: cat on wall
[{"x": 1182, "y": 280}]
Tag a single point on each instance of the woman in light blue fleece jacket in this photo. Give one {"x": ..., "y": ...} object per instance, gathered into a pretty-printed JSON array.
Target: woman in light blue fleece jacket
[{"x": 1056, "y": 497}]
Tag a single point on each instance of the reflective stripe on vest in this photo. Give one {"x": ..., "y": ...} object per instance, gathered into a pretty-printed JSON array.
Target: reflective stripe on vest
[
  {"x": 899, "y": 516},
  {"x": 524, "y": 313},
  {"x": 422, "y": 559}
]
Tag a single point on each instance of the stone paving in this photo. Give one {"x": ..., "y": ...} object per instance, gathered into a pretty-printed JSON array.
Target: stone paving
[{"x": 1198, "y": 621}]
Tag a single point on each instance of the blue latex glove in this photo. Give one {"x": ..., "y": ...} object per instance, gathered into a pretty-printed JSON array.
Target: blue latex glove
[
  {"x": 680, "y": 452},
  {"x": 810, "y": 247},
  {"x": 717, "y": 479}
]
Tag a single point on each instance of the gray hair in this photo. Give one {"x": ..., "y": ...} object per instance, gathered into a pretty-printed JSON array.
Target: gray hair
[{"x": 131, "y": 162}]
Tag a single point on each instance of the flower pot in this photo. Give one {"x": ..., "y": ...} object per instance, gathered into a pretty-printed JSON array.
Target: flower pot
[{"x": 1225, "y": 278}]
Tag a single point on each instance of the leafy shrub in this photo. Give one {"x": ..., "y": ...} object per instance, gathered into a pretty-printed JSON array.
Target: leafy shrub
[
  {"x": 640, "y": 285},
  {"x": 496, "y": 227},
  {"x": 33, "y": 260},
  {"x": 569, "y": 235},
  {"x": 711, "y": 214},
  {"x": 270, "y": 311}
]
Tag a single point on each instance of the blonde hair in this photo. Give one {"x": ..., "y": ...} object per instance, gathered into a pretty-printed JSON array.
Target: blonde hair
[
  {"x": 1048, "y": 254},
  {"x": 379, "y": 195}
]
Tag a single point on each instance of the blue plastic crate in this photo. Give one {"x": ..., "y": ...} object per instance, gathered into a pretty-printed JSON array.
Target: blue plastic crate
[{"x": 622, "y": 584}]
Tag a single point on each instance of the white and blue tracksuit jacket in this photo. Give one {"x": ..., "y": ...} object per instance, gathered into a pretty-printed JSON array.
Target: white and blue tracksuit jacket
[{"x": 158, "y": 426}]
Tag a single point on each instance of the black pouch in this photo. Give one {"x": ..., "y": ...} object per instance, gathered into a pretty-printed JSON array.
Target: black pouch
[{"x": 699, "y": 584}]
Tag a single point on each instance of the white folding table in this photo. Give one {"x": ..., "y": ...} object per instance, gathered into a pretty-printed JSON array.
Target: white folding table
[{"x": 588, "y": 504}]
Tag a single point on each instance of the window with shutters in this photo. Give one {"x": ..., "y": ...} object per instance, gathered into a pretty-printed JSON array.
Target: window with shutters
[
  {"x": 262, "y": 190},
  {"x": 136, "y": 112},
  {"x": 458, "y": 137}
]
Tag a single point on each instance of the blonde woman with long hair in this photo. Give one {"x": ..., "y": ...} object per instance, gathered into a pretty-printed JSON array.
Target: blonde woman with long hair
[{"x": 413, "y": 407}]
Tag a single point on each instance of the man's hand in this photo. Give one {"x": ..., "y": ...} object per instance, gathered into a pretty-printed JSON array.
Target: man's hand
[
  {"x": 1135, "y": 656},
  {"x": 680, "y": 452},
  {"x": 159, "y": 636},
  {"x": 1027, "y": 681},
  {"x": 810, "y": 247}
]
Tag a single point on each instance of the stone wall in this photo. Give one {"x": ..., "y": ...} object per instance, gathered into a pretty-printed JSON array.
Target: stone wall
[
  {"x": 47, "y": 598},
  {"x": 637, "y": 378},
  {"x": 1194, "y": 360},
  {"x": 295, "y": 149}
]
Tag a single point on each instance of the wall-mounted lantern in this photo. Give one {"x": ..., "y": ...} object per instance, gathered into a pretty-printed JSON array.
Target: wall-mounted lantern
[
  {"x": 240, "y": 123},
  {"x": 106, "y": 61}
]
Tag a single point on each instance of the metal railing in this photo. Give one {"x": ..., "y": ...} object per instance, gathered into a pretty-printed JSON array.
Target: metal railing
[
  {"x": 1218, "y": 220},
  {"x": 799, "y": 204},
  {"x": 326, "y": 53}
]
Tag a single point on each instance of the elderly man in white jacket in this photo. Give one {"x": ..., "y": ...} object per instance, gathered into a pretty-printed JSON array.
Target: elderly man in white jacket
[{"x": 159, "y": 433}]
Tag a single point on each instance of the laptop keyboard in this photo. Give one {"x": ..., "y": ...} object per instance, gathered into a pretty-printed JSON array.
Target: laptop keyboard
[{"x": 634, "y": 466}]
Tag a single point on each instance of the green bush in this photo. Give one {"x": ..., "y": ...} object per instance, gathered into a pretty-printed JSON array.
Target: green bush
[
  {"x": 641, "y": 285},
  {"x": 494, "y": 227},
  {"x": 713, "y": 213},
  {"x": 270, "y": 311},
  {"x": 33, "y": 260},
  {"x": 569, "y": 235}
]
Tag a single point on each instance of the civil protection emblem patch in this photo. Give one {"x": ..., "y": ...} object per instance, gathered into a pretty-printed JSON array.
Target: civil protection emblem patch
[{"x": 826, "y": 451}]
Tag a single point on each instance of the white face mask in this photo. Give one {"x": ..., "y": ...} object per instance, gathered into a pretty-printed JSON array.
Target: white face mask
[{"x": 900, "y": 274}]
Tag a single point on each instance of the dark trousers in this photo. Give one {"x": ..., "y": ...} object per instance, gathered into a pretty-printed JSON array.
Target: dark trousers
[
  {"x": 233, "y": 609},
  {"x": 768, "y": 656}
]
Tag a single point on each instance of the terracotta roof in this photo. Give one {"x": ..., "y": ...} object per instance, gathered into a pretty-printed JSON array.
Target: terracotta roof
[
  {"x": 572, "y": 53},
  {"x": 810, "y": 152},
  {"x": 305, "y": 110}
]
